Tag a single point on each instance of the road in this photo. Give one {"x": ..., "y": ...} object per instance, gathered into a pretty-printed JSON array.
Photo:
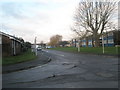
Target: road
[{"x": 67, "y": 70}]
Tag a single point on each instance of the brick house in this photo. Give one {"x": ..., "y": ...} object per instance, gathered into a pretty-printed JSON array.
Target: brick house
[{"x": 11, "y": 45}]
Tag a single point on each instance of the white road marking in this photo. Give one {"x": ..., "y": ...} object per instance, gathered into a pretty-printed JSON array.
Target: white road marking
[{"x": 62, "y": 55}]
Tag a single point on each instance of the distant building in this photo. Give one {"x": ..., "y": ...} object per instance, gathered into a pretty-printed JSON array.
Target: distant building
[
  {"x": 68, "y": 45},
  {"x": 74, "y": 42},
  {"x": 110, "y": 38},
  {"x": 42, "y": 45},
  {"x": 11, "y": 45},
  {"x": 90, "y": 42},
  {"x": 84, "y": 42}
]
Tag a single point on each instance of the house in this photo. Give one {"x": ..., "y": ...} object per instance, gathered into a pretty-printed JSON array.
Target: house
[
  {"x": 111, "y": 38},
  {"x": 11, "y": 45}
]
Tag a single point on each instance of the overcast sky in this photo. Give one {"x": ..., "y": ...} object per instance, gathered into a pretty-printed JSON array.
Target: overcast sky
[{"x": 40, "y": 18}]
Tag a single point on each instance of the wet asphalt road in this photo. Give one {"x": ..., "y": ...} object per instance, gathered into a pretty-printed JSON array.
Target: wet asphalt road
[{"x": 67, "y": 70}]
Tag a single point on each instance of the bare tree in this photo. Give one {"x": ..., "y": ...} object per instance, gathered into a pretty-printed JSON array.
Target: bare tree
[
  {"x": 54, "y": 40},
  {"x": 93, "y": 17},
  {"x": 80, "y": 32}
]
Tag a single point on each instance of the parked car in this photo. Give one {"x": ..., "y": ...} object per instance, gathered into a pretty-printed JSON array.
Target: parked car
[{"x": 39, "y": 49}]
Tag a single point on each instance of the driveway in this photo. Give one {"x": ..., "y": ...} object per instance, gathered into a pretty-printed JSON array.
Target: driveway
[{"x": 67, "y": 70}]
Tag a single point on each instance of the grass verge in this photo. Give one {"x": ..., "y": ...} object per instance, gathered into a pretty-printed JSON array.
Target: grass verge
[
  {"x": 93, "y": 50},
  {"x": 26, "y": 56}
]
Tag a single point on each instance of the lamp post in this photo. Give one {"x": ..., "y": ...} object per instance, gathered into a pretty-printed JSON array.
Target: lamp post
[
  {"x": 103, "y": 44},
  {"x": 35, "y": 47},
  {"x": 79, "y": 45}
]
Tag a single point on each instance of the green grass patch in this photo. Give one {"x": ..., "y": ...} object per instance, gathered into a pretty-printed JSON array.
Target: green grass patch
[
  {"x": 26, "y": 56},
  {"x": 94, "y": 50},
  {"x": 71, "y": 49}
]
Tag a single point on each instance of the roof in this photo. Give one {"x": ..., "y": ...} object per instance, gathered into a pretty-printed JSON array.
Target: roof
[{"x": 10, "y": 36}]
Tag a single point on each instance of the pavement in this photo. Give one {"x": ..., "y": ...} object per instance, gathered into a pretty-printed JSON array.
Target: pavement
[{"x": 40, "y": 60}]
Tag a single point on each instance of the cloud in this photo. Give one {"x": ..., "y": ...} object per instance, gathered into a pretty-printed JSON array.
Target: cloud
[
  {"x": 10, "y": 9},
  {"x": 42, "y": 19}
]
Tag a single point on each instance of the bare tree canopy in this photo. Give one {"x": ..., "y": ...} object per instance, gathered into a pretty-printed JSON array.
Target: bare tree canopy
[
  {"x": 54, "y": 40},
  {"x": 93, "y": 17}
]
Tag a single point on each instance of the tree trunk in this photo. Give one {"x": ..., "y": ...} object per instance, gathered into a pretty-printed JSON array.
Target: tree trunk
[{"x": 96, "y": 40}]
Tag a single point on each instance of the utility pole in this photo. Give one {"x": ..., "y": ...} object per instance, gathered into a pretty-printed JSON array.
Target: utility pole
[{"x": 35, "y": 47}]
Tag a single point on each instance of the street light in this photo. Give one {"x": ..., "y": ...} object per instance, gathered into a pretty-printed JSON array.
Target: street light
[
  {"x": 79, "y": 45},
  {"x": 103, "y": 43},
  {"x": 35, "y": 47}
]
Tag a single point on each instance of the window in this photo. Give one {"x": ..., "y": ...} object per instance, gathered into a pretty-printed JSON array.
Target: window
[
  {"x": 110, "y": 34},
  {"x": 110, "y": 41},
  {"x": 90, "y": 43},
  {"x": 84, "y": 43}
]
